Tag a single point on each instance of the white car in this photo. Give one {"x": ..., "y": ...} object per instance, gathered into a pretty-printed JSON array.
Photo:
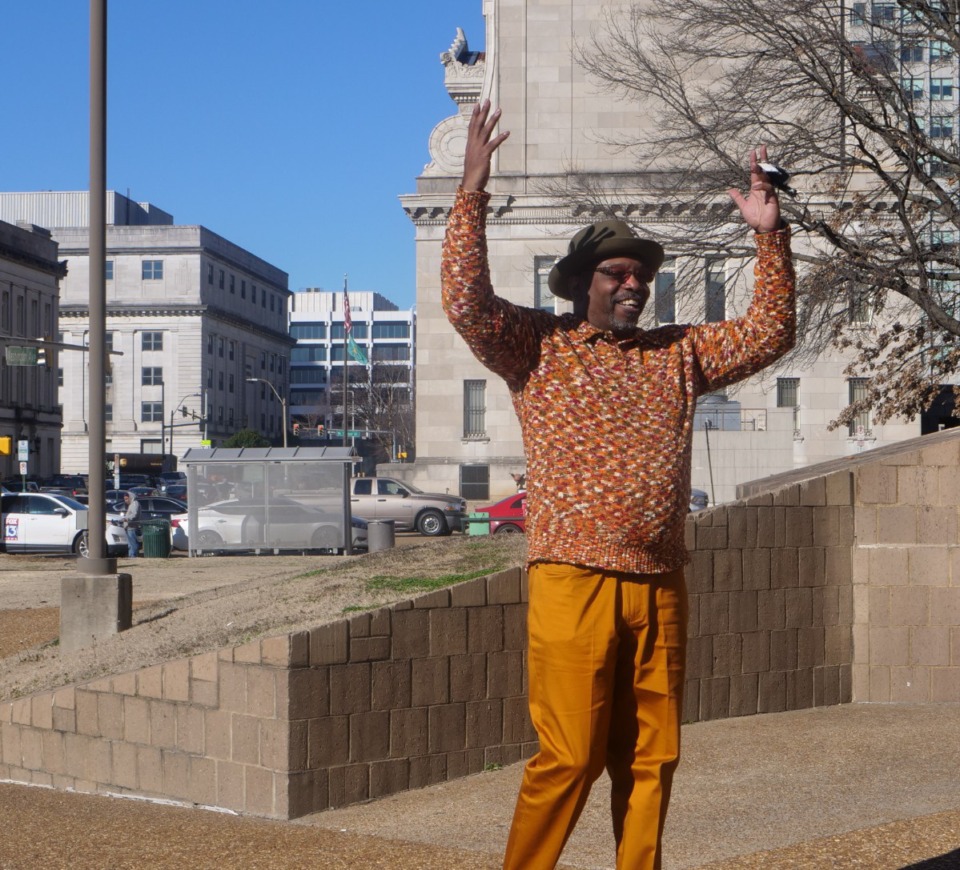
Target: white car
[
  {"x": 237, "y": 525},
  {"x": 39, "y": 522}
]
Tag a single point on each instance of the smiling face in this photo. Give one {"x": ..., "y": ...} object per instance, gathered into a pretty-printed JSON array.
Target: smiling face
[{"x": 617, "y": 293}]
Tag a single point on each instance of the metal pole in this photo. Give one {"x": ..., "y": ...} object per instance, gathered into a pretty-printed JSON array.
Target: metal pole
[
  {"x": 345, "y": 363},
  {"x": 283, "y": 406},
  {"x": 97, "y": 562}
]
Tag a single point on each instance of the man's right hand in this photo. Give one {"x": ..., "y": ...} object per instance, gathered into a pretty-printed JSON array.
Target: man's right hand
[{"x": 480, "y": 147}]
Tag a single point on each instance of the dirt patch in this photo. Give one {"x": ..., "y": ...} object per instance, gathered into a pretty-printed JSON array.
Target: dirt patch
[{"x": 284, "y": 594}]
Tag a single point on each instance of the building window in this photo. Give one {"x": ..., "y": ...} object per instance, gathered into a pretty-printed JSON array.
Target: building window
[
  {"x": 108, "y": 270},
  {"x": 542, "y": 297},
  {"x": 263, "y": 299},
  {"x": 475, "y": 481},
  {"x": 940, "y": 50},
  {"x": 232, "y": 383},
  {"x": 860, "y": 425},
  {"x": 941, "y": 126},
  {"x": 108, "y": 412},
  {"x": 233, "y": 284},
  {"x": 230, "y": 417},
  {"x": 151, "y": 376},
  {"x": 308, "y": 354},
  {"x": 273, "y": 302},
  {"x": 941, "y": 89},
  {"x": 152, "y": 341},
  {"x": 912, "y": 89},
  {"x": 312, "y": 330},
  {"x": 357, "y": 330},
  {"x": 243, "y": 289},
  {"x": 313, "y": 375},
  {"x": 474, "y": 409},
  {"x": 665, "y": 293},
  {"x": 391, "y": 353},
  {"x": 715, "y": 291},
  {"x": 263, "y": 360},
  {"x": 253, "y": 293},
  {"x": 858, "y": 310},
  {"x": 221, "y": 278},
  {"x": 883, "y": 13},
  {"x": 384, "y": 329},
  {"x": 220, "y": 347},
  {"x": 151, "y": 412},
  {"x": 151, "y": 270},
  {"x": 231, "y": 349},
  {"x": 209, "y": 345},
  {"x": 788, "y": 396},
  {"x": 210, "y": 273},
  {"x": 858, "y": 13},
  {"x": 108, "y": 341},
  {"x": 60, "y": 377},
  {"x": 220, "y": 381},
  {"x": 911, "y": 52}
]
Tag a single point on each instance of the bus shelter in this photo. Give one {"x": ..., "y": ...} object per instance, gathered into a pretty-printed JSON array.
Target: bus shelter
[{"x": 268, "y": 500}]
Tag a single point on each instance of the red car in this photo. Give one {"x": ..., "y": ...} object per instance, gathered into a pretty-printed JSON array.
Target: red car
[{"x": 507, "y": 515}]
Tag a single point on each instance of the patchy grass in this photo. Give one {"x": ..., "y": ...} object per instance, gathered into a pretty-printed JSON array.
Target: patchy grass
[{"x": 404, "y": 585}]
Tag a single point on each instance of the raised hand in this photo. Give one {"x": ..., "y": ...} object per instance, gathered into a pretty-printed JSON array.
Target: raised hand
[
  {"x": 480, "y": 146},
  {"x": 760, "y": 207}
]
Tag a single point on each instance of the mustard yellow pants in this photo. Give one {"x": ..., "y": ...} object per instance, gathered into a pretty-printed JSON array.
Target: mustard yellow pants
[{"x": 606, "y": 664}]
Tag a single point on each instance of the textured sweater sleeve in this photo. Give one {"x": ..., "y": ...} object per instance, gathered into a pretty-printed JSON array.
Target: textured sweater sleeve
[
  {"x": 735, "y": 349},
  {"x": 503, "y": 336}
]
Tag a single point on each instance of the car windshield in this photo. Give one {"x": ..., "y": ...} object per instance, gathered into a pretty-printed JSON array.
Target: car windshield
[
  {"x": 412, "y": 488},
  {"x": 71, "y": 503}
]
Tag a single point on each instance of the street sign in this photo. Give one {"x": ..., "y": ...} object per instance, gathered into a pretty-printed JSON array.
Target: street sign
[
  {"x": 23, "y": 450},
  {"x": 351, "y": 433},
  {"x": 23, "y": 469},
  {"x": 21, "y": 356}
]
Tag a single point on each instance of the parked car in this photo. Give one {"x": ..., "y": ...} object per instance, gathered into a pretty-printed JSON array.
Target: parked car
[
  {"x": 283, "y": 524},
  {"x": 18, "y": 484},
  {"x": 69, "y": 484},
  {"x": 156, "y": 507},
  {"x": 170, "y": 478},
  {"x": 699, "y": 500},
  {"x": 39, "y": 522},
  {"x": 507, "y": 515},
  {"x": 383, "y": 498}
]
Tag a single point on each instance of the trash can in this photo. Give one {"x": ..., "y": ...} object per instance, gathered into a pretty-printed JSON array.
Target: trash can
[
  {"x": 156, "y": 538},
  {"x": 380, "y": 535},
  {"x": 479, "y": 524}
]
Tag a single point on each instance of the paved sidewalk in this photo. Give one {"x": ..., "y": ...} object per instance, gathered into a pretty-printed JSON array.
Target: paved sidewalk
[{"x": 858, "y": 786}]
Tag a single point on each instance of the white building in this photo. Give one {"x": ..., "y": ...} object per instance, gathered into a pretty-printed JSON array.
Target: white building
[
  {"x": 468, "y": 438},
  {"x": 190, "y": 317},
  {"x": 29, "y": 275},
  {"x": 386, "y": 339}
]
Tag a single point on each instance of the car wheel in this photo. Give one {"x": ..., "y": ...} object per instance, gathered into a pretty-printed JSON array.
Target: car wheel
[
  {"x": 508, "y": 529},
  {"x": 327, "y": 538},
  {"x": 81, "y": 545},
  {"x": 432, "y": 523},
  {"x": 208, "y": 540}
]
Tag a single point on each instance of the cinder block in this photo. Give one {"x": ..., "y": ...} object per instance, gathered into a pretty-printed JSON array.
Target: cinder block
[
  {"x": 100, "y": 761},
  {"x": 369, "y": 649},
  {"x": 888, "y": 566},
  {"x": 755, "y": 652},
  {"x": 136, "y": 720},
  {"x": 861, "y": 683},
  {"x": 448, "y": 631},
  {"x": 946, "y": 453},
  {"x": 826, "y": 526},
  {"x": 41, "y": 710},
  {"x": 247, "y": 654},
  {"x": 359, "y": 626},
  {"x": 811, "y": 566},
  {"x": 897, "y": 524},
  {"x": 876, "y": 484},
  {"x": 163, "y": 725},
  {"x": 909, "y": 605},
  {"x": 799, "y": 527},
  {"x": 349, "y": 784},
  {"x": 799, "y": 607},
  {"x": 472, "y": 593},
  {"x": 204, "y": 667},
  {"x": 303, "y": 693},
  {"x": 928, "y": 566},
  {"x": 389, "y": 777},
  {"x": 150, "y": 770},
  {"x": 427, "y": 770},
  {"x": 87, "y": 713},
  {"x": 838, "y": 566},
  {"x": 204, "y": 694},
  {"x": 944, "y": 685},
  {"x": 390, "y": 685},
  {"x": 727, "y": 658},
  {"x": 889, "y": 645},
  {"x": 275, "y": 740},
  {"x": 217, "y": 736},
  {"x": 261, "y": 690},
  {"x": 349, "y": 688},
  {"x": 369, "y": 736},
  {"x": 517, "y": 725},
  {"x": 772, "y": 692},
  {"x": 945, "y": 606},
  {"x": 813, "y": 492},
  {"x": 411, "y": 634},
  {"x": 699, "y": 575},
  {"x": 744, "y": 689},
  {"x": 784, "y": 567},
  {"x": 714, "y": 613},
  {"x": 447, "y": 727},
  {"x": 515, "y": 626},
  {"x": 485, "y": 628},
  {"x": 176, "y": 774},
  {"x": 505, "y": 674},
  {"x": 233, "y": 687},
  {"x": 430, "y": 681},
  {"x": 787, "y": 496},
  {"x": 799, "y": 689},
  {"x": 714, "y": 698},
  {"x": 839, "y": 488},
  {"x": 286, "y": 650},
  {"x": 328, "y": 741},
  {"x": 783, "y": 650},
  {"x": 110, "y": 715},
  {"x": 727, "y": 570},
  {"x": 504, "y": 587},
  {"x": 756, "y": 568},
  {"x": 190, "y": 729},
  {"x": 910, "y": 685},
  {"x": 408, "y": 732},
  {"x": 229, "y": 785},
  {"x": 176, "y": 680},
  {"x": 948, "y": 479},
  {"x": 64, "y": 719},
  {"x": 124, "y": 765},
  {"x": 771, "y": 609},
  {"x": 930, "y": 647},
  {"x": 865, "y": 525},
  {"x": 380, "y": 624},
  {"x": 301, "y": 794},
  {"x": 468, "y": 677},
  {"x": 202, "y": 781},
  {"x": 245, "y": 739},
  {"x": 484, "y": 723},
  {"x": 329, "y": 644},
  {"x": 124, "y": 684},
  {"x": 54, "y": 757},
  {"x": 259, "y": 787},
  {"x": 700, "y": 656},
  {"x": 711, "y": 537},
  {"x": 937, "y": 525},
  {"x": 810, "y": 652},
  {"x": 31, "y": 749}
]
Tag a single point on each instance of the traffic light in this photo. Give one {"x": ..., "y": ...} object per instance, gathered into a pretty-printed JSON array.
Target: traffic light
[
  {"x": 6, "y": 445},
  {"x": 296, "y": 428},
  {"x": 320, "y": 429},
  {"x": 184, "y": 411},
  {"x": 42, "y": 356}
]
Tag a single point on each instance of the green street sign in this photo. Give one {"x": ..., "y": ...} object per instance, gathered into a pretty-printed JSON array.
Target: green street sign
[{"x": 21, "y": 356}]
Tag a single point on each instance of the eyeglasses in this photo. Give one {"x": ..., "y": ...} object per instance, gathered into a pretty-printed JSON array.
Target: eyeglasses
[{"x": 621, "y": 274}]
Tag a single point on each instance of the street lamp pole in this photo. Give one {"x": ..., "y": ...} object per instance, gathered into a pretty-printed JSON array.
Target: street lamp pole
[
  {"x": 280, "y": 399},
  {"x": 173, "y": 414}
]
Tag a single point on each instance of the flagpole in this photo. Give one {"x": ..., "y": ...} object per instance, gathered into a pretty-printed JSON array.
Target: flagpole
[{"x": 346, "y": 333}]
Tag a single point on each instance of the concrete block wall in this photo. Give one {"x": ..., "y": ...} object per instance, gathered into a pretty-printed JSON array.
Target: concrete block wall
[
  {"x": 771, "y": 602},
  {"x": 906, "y": 573},
  {"x": 406, "y": 696}
]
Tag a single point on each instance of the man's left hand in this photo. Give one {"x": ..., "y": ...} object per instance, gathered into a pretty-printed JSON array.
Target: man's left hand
[{"x": 760, "y": 207}]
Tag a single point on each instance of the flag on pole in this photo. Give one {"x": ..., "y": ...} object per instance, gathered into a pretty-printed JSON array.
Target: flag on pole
[
  {"x": 347, "y": 323},
  {"x": 355, "y": 351}
]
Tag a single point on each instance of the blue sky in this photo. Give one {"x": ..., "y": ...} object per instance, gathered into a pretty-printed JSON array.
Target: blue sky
[{"x": 289, "y": 128}]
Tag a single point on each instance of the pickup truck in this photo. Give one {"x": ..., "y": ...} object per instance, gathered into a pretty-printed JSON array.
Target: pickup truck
[{"x": 383, "y": 498}]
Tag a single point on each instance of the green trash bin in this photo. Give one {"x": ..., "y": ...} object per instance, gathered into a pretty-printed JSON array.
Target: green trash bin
[
  {"x": 156, "y": 538},
  {"x": 479, "y": 524}
]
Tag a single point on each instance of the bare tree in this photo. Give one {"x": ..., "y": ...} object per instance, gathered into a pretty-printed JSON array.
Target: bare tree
[{"x": 836, "y": 94}]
